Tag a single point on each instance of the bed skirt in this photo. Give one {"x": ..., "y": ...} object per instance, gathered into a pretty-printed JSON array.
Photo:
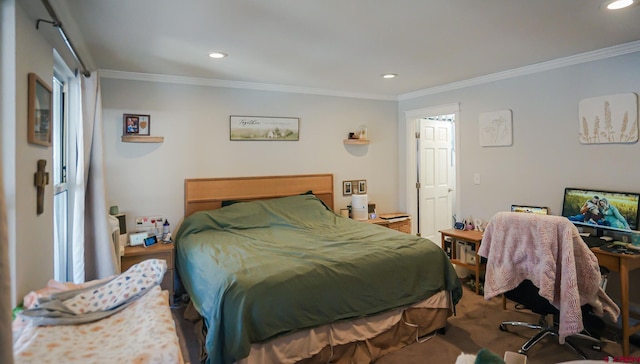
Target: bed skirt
[{"x": 361, "y": 340}]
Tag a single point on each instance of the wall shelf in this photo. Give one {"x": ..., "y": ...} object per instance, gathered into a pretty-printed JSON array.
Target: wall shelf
[
  {"x": 357, "y": 141},
  {"x": 142, "y": 139}
]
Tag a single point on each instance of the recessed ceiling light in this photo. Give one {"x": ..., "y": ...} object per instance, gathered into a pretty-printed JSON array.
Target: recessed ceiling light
[
  {"x": 217, "y": 55},
  {"x": 389, "y": 75},
  {"x": 618, "y": 4}
]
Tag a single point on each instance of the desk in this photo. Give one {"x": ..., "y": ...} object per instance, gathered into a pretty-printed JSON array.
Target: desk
[
  {"x": 468, "y": 236},
  {"x": 624, "y": 264}
]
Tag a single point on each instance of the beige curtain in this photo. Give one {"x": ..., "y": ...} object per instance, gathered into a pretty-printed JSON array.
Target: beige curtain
[
  {"x": 100, "y": 259},
  {"x": 6, "y": 341}
]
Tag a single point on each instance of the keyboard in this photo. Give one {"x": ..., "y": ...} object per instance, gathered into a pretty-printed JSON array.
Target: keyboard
[{"x": 593, "y": 241}]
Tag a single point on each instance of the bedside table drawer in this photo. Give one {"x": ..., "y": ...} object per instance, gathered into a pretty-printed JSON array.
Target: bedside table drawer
[
  {"x": 402, "y": 224},
  {"x": 136, "y": 254},
  {"x": 128, "y": 261},
  {"x": 167, "y": 283}
]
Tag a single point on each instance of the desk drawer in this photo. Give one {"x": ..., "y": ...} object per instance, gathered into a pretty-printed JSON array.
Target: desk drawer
[{"x": 608, "y": 261}]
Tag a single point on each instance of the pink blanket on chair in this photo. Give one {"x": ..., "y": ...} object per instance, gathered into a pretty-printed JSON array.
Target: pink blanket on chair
[{"x": 549, "y": 252}]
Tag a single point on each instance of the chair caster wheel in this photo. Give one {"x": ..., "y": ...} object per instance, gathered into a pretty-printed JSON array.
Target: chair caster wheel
[{"x": 502, "y": 328}]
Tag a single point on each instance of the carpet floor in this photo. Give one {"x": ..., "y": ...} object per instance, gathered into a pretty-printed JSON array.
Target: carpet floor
[{"x": 474, "y": 327}]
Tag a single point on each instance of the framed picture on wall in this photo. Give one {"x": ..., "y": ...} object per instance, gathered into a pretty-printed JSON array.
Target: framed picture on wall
[
  {"x": 136, "y": 124},
  {"x": 39, "y": 112},
  {"x": 362, "y": 186},
  {"x": 347, "y": 188},
  {"x": 269, "y": 128}
]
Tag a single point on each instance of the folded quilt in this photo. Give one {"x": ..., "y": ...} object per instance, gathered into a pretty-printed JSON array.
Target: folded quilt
[{"x": 97, "y": 301}]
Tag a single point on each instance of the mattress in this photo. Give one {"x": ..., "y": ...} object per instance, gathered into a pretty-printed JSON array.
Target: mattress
[
  {"x": 262, "y": 269},
  {"x": 144, "y": 332}
]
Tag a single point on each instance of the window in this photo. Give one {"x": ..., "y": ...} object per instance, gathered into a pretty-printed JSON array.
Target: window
[
  {"x": 61, "y": 197},
  {"x": 61, "y": 193}
]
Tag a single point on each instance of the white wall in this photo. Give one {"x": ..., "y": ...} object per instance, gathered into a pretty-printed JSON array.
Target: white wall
[
  {"x": 148, "y": 179},
  {"x": 30, "y": 238},
  {"x": 7, "y": 127},
  {"x": 546, "y": 155}
]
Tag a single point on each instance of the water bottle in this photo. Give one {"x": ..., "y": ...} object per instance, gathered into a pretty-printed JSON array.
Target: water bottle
[{"x": 165, "y": 229}]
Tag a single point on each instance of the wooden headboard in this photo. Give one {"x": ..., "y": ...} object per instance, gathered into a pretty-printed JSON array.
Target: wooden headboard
[{"x": 208, "y": 193}]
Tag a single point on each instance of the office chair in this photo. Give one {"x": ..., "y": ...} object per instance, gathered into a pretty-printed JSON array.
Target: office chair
[
  {"x": 540, "y": 262},
  {"x": 526, "y": 295}
]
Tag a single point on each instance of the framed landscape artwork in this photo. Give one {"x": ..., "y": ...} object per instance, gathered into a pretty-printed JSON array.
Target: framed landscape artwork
[{"x": 263, "y": 128}]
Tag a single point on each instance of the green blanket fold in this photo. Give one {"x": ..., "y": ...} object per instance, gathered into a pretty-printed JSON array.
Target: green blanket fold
[{"x": 256, "y": 270}]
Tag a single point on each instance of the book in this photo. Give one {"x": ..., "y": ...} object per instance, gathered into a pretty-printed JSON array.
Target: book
[
  {"x": 396, "y": 219},
  {"x": 395, "y": 216}
]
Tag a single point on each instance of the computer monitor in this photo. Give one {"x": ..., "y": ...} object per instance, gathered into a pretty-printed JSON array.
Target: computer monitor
[
  {"x": 530, "y": 209},
  {"x": 602, "y": 210}
]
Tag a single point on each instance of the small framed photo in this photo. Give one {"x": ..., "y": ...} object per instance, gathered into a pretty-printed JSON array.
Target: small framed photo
[
  {"x": 136, "y": 124},
  {"x": 347, "y": 188},
  {"x": 39, "y": 112},
  {"x": 362, "y": 186}
]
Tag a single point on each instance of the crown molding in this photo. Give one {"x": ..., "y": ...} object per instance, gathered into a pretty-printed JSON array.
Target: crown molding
[
  {"x": 210, "y": 82},
  {"x": 596, "y": 55}
]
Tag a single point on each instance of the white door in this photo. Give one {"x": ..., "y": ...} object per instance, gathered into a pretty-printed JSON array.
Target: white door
[{"x": 435, "y": 177}]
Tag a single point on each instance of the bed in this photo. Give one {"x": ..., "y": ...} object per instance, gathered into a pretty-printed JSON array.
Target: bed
[
  {"x": 277, "y": 276},
  {"x": 136, "y": 330}
]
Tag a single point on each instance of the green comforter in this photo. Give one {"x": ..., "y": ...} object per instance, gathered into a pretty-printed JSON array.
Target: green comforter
[{"x": 255, "y": 270}]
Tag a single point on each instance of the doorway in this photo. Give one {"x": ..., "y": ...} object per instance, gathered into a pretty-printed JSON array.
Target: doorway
[{"x": 431, "y": 177}]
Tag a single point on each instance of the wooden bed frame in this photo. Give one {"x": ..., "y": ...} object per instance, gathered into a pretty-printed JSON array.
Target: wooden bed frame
[{"x": 209, "y": 193}]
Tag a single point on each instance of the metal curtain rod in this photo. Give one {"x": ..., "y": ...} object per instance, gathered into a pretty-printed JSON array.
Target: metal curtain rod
[{"x": 56, "y": 23}]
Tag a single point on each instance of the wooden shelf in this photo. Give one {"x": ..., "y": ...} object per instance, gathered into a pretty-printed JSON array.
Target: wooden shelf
[
  {"x": 142, "y": 139},
  {"x": 467, "y": 265},
  {"x": 451, "y": 237},
  {"x": 357, "y": 141}
]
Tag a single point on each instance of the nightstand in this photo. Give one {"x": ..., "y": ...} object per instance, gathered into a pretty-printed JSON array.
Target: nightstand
[
  {"x": 136, "y": 254},
  {"x": 402, "y": 224}
]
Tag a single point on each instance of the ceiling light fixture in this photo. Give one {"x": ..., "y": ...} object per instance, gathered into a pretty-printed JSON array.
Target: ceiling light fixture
[
  {"x": 217, "y": 55},
  {"x": 389, "y": 75},
  {"x": 618, "y": 4}
]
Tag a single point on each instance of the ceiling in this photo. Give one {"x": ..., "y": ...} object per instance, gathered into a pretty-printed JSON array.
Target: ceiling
[{"x": 336, "y": 46}]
